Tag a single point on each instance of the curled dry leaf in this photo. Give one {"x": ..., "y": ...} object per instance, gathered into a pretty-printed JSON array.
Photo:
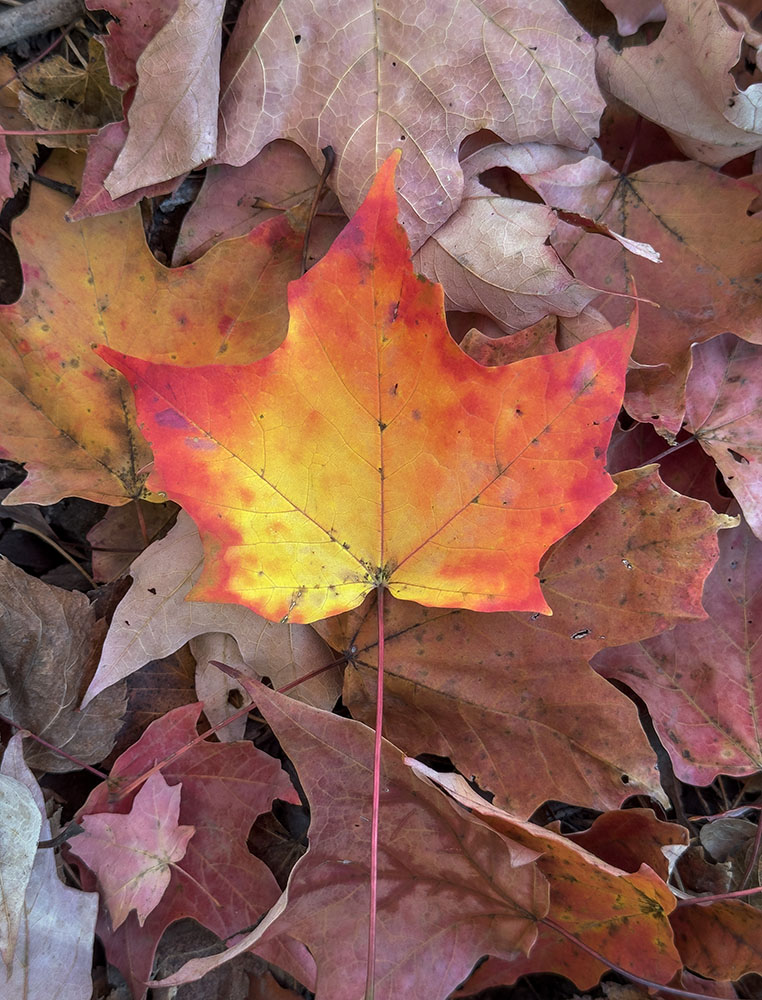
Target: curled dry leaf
[
  {"x": 682, "y": 81},
  {"x": 173, "y": 118},
  {"x": 711, "y": 252},
  {"x": 233, "y": 200}
]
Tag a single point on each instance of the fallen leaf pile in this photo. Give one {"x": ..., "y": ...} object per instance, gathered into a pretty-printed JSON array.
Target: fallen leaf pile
[{"x": 448, "y": 376}]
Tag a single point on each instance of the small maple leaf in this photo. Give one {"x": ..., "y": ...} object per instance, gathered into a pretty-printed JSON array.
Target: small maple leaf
[
  {"x": 131, "y": 854},
  {"x": 368, "y": 450}
]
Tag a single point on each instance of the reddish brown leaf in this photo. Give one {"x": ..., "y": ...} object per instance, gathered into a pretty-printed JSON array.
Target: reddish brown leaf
[
  {"x": 701, "y": 680},
  {"x": 491, "y": 351},
  {"x": 449, "y": 889},
  {"x": 507, "y": 705},
  {"x": 721, "y": 940},
  {"x": 218, "y": 882},
  {"x": 706, "y": 284},
  {"x": 629, "y": 838},
  {"x": 724, "y": 411},
  {"x": 623, "y": 917}
]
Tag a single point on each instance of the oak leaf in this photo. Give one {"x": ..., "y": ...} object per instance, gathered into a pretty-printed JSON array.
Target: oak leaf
[
  {"x": 130, "y": 854},
  {"x": 225, "y": 786},
  {"x": 66, "y": 415},
  {"x": 701, "y": 680},
  {"x": 369, "y": 449}
]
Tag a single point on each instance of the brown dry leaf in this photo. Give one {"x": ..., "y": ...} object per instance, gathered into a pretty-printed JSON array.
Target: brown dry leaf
[
  {"x": 173, "y": 119},
  {"x": 154, "y": 619},
  {"x": 682, "y": 81},
  {"x": 117, "y": 540},
  {"x": 60, "y": 95},
  {"x": 50, "y": 645},
  {"x": 540, "y": 338},
  {"x": 505, "y": 704}
]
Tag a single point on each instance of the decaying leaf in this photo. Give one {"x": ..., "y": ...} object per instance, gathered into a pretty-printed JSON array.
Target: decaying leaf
[
  {"x": 51, "y": 639},
  {"x": 20, "y": 823}
]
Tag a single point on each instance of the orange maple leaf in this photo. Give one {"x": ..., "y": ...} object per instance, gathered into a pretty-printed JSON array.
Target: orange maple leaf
[{"x": 368, "y": 450}]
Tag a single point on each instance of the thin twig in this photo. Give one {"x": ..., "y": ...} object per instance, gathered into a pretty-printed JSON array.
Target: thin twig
[
  {"x": 54, "y": 545},
  {"x": 330, "y": 159},
  {"x": 49, "y": 746}
]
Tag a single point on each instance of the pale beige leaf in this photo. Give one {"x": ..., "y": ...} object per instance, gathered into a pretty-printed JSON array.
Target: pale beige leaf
[
  {"x": 682, "y": 81},
  {"x": 173, "y": 119},
  {"x": 366, "y": 79},
  {"x": 54, "y": 952},
  {"x": 20, "y": 823},
  {"x": 154, "y": 619}
]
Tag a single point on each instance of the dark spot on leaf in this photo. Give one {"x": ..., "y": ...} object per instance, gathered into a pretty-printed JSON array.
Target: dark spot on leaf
[
  {"x": 152, "y": 590},
  {"x": 297, "y": 38},
  {"x": 583, "y": 633},
  {"x": 738, "y": 457}
]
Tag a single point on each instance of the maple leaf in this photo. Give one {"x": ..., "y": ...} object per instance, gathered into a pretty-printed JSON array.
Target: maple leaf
[
  {"x": 130, "y": 854},
  {"x": 94, "y": 282},
  {"x": 490, "y": 696},
  {"x": 369, "y": 449},
  {"x": 429, "y": 849},
  {"x": 54, "y": 952},
  {"x": 218, "y": 882},
  {"x": 700, "y": 681},
  {"x": 719, "y": 940}
]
